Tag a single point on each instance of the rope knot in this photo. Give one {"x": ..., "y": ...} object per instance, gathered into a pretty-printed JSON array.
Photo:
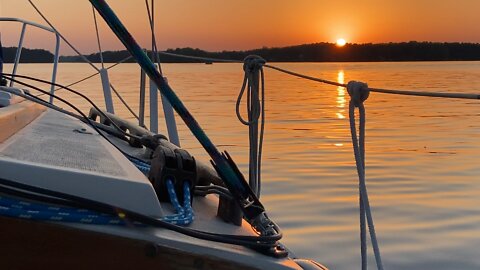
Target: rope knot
[
  {"x": 358, "y": 92},
  {"x": 253, "y": 63}
]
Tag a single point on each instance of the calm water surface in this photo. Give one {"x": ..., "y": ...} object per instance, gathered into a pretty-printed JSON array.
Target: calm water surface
[{"x": 422, "y": 154}]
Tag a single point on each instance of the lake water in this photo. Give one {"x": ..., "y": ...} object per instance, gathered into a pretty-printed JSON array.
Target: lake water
[{"x": 422, "y": 154}]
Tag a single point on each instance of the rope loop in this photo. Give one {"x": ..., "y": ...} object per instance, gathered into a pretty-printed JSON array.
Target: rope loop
[
  {"x": 253, "y": 87},
  {"x": 358, "y": 92},
  {"x": 253, "y": 63}
]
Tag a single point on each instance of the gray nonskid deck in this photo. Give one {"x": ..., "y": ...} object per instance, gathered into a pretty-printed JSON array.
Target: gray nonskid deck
[
  {"x": 63, "y": 154},
  {"x": 55, "y": 140}
]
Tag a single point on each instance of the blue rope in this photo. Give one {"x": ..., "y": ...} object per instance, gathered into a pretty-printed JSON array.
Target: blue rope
[
  {"x": 184, "y": 214},
  {"x": 37, "y": 211},
  {"x": 142, "y": 166}
]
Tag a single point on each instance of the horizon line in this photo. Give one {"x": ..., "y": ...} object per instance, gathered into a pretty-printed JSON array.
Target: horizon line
[{"x": 267, "y": 47}]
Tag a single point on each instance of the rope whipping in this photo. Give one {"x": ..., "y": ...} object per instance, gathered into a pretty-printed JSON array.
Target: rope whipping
[
  {"x": 359, "y": 92},
  {"x": 254, "y": 83}
]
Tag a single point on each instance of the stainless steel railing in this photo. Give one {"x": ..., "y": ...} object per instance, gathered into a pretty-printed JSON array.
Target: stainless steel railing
[{"x": 20, "y": 47}]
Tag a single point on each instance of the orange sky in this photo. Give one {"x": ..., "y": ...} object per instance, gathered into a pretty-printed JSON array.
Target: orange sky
[{"x": 246, "y": 24}]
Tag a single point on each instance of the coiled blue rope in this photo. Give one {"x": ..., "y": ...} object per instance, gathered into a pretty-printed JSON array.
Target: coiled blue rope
[{"x": 184, "y": 214}]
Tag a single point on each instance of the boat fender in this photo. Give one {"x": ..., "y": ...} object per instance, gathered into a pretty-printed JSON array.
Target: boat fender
[{"x": 176, "y": 165}]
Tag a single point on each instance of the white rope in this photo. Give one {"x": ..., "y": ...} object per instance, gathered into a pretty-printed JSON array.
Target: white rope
[
  {"x": 359, "y": 92},
  {"x": 253, "y": 81},
  {"x": 98, "y": 36}
]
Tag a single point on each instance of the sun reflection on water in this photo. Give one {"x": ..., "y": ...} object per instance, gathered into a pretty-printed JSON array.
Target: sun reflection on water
[{"x": 341, "y": 96}]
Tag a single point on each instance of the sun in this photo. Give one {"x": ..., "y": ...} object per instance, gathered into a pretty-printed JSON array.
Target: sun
[{"x": 341, "y": 42}]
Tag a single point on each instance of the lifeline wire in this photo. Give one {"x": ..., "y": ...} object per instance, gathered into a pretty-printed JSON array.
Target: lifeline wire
[
  {"x": 90, "y": 76},
  {"x": 296, "y": 74},
  {"x": 70, "y": 90},
  {"x": 84, "y": 58},
  {"x": 380, "y": 90},
  {"x": 47, "y": 104}
]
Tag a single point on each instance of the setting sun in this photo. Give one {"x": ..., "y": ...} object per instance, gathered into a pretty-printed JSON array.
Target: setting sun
[{"x": 341, "y": 42}]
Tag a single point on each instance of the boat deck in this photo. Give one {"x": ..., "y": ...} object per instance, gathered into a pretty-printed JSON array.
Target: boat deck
[{"x": 61, "y": 153}]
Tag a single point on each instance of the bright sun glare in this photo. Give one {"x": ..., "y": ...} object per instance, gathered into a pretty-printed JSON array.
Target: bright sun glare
[{"x": 341, "y": 42}]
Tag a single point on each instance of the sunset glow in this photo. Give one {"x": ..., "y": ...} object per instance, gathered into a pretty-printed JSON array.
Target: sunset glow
[
  {"x": 223, "y": 25},
  {"x": 341, "y": 42}
]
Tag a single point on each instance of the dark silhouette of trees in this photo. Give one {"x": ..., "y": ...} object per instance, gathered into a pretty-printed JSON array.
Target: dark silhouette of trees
[
  {"x": 27, "y": 56},
  {"x": 317, "y": 52}
]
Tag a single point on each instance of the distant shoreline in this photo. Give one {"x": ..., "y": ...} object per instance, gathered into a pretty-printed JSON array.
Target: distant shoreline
[
  {"x": 317, "y": 52},
  {"x": 292, "y": 62}
]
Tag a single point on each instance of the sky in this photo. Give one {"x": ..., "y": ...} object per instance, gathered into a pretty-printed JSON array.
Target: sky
[{"x": 217, "y": 25}]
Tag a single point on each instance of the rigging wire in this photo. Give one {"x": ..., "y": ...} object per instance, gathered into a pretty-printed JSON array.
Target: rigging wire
[
  {"x": 380, "y": 90},
  {"x": 311, "y": 78},
  {"x": 83, "y": 57},
  {"x": 200, "y": 58},
  {"x": 151, "y": 20},
  {"x": 90, "y": 76},
  {"x": 98, "y": 36},
  {"x": 72, "y": 91}
]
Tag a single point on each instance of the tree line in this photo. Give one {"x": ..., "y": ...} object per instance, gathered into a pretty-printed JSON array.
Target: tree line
[{"x": 316, "y": 52}]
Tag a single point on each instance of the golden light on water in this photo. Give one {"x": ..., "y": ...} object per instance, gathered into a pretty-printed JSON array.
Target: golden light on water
[{"x": 341, "y": 96}]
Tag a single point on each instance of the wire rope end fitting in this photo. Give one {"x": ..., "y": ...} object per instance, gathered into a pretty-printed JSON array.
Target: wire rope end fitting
[{"x": 358, "y": 92}]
